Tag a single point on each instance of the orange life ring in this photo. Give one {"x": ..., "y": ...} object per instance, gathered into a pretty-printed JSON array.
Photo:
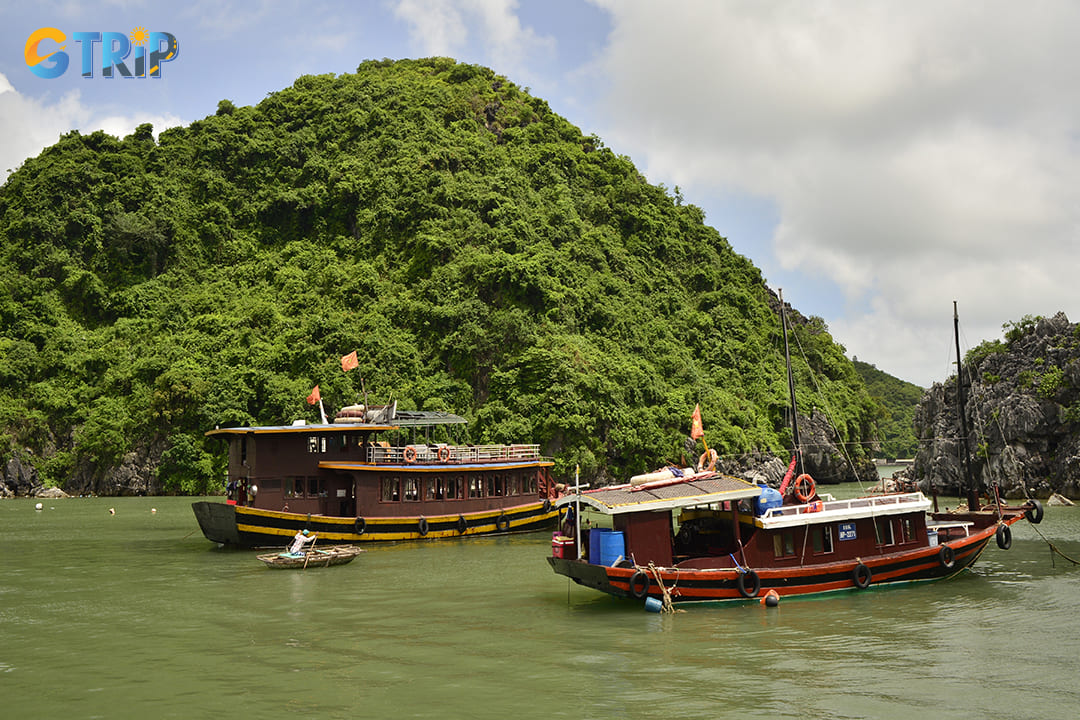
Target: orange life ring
[
  {"x": 707, "y": 461},
  {"x": 805, "y": 488},
  {"x": 444, "y": 453},
  {"x": 410, "y": 454}
]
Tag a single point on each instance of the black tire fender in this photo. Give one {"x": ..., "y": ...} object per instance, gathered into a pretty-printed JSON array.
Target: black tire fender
[
  {"x": 422, "y": 526},
  {"x": 751, "y": 589},
  {"x": 1004, "y": 536},
  {"x": 360, "y": 525},
  {"x": 946, "y": 556},
  {"x": 502, "y": 523},
  {"x": 641, "y": 577},
  {"x": 862, "y": 575},
  {"x": 462, "y": 525},
  {"x": 1034, "y": 514}
]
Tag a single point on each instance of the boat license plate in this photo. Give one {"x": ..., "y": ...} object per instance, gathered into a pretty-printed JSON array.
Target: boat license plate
[{"x": 847, "y": 531}]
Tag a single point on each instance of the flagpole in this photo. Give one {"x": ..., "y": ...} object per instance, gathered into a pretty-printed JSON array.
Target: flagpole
[{"x": 322, "y": 412}]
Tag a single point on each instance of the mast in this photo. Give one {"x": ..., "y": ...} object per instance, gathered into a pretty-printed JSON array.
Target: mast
[
  {"x": 972, "y": 490},
  {"x": 791, "y": 389}
]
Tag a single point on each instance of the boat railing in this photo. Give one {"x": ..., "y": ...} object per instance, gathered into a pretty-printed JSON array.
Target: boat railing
[
  {"x": 444, "y": 453},
  {"x": 874, "y": 502}
]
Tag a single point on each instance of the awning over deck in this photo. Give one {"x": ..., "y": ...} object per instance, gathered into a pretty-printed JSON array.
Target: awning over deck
[{"x": 699, "y": 490}]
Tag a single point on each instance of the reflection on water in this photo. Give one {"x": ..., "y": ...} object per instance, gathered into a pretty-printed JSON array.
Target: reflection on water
[{"x": 136, "y": 615}]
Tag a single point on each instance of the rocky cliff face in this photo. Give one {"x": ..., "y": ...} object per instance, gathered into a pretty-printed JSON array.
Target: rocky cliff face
[{"x": 1022, "y": 404}]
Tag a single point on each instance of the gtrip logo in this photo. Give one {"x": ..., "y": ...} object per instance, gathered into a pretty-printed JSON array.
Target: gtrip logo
[{"x": 46, "y": 58}]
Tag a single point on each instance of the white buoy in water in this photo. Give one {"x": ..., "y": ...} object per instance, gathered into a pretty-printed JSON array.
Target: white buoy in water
[
  {"x": 153, "y": 511},
  {"x": 38, "y": 506}
]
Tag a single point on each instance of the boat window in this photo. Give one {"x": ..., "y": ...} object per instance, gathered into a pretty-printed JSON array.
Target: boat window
[
  {"x": 411, "y": 491},
  {"x": 530, "y": 489},
  {"x": 884, "y": 531},
  {"x": 500, "y": 485},
  {"x": 456, "y": 489},
  {"x": 784, "y": 544},
  {"x": 290, "y": 487},
  {"x": 475, "y": 489},
  {"x": 823, "y": 539},
  {"x": 316, "y": 444},
  {"x": 909, "y": 529},
  {"x": 390, "y": 489},
  {"x": 433, "y": 489}
]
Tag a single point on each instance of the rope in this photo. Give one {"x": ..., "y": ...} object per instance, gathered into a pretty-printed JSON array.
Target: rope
[
  {"x": 667, "y": 606},
  {"x": 1053, "y": 549}
]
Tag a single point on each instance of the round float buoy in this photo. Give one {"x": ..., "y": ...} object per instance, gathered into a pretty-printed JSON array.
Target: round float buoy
[
  {"x": 707, "y": 461},
  {"x": 1004, "y": 536},
  {"x": 770, "y": 599},
  {"x": 946, "y": 556},
  {"x": 748, "y": 583},
  {"x": 444, "y": 454},
  {"x": 862, "y": 576},
  {"x": 410, "y": 454},
  {"x": 38, "y": 506},
  {"x": 805, "y": 488},
  {"x": 639, "y": 578},
  {"x": 1034, "y": 514}
]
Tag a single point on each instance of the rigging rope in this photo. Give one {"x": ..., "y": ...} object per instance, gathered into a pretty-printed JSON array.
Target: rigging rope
[{"x": 1053, "y": 549}]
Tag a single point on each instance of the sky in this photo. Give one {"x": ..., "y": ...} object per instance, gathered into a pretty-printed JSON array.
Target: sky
[{"x": 877, "y": 160}]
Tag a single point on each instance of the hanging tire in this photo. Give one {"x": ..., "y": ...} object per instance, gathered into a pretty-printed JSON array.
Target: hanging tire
[
  {"x": 749, "y": 583},
  {"x": 360, "y": 526},
  {"x": 946, "y": 556},
  {"x": 642, "y": 578},
  {"x": 862, "y": 576},
  {"x": 502, "y": 523},
  {"x": 1034, "y": 514},
  {"x": 462, "y": 525},
  {"x": 547, "y": 505},
  {"x": 1004, "y": 536},
  {"x": 422, "y": 527}
]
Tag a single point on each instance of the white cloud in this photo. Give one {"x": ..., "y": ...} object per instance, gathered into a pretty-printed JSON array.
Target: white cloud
[
  {"x": 29, "y": 125},
  {"x": 450, "y": 28},
  {"x": 915, "y": 153}
]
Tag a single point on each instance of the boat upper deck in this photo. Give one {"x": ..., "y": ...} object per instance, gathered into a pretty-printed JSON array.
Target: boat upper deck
[{"x": 831, "y": 510}]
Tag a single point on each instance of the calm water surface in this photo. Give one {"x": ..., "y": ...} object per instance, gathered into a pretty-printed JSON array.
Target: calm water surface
[{"x": 135, "y": 615}]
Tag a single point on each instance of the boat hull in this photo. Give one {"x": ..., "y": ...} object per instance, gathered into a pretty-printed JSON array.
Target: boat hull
[
  {"x": 325, "y": 557},
  {"x": 254, "y": 527},
  {"x": 730, "y": 584}
]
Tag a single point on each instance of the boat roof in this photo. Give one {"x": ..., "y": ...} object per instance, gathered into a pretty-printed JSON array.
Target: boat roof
[
  {"x": 402, "y": 418},
  {"x": 699, "y": 490}
]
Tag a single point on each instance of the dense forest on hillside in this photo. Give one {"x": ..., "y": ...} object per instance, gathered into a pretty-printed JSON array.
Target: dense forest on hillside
[
  {"x": 898, "y": 400},
  {"x": 480, "y": 253}
]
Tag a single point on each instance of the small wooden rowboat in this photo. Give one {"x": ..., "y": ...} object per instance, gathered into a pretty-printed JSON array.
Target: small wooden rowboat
[{"x": 321, "y": 557}]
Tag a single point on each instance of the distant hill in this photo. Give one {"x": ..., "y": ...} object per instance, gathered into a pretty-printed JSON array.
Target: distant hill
[
  {"x": 898, "y": 400},
  {"x": 479, "y": 252}
]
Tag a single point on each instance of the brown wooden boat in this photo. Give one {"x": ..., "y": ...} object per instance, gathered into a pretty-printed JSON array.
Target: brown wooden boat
[
  {"x": 375, "y": 474},
  {"x": 314, "y": 557},
  {"x": 732, "y": 540}
]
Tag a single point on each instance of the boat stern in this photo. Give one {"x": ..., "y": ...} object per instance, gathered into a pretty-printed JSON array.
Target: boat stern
[{"x": 587, "y": 574}]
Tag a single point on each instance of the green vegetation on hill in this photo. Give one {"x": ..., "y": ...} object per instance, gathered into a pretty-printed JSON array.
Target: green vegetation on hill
[
  {"x": 481, "y": 254},
  {"x": 898, "y": 400}
]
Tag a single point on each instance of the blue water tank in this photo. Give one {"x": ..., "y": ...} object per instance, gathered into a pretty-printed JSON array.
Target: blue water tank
[
  {"x": 605, "y": 546},
  {"x": 768, "y": 498}
]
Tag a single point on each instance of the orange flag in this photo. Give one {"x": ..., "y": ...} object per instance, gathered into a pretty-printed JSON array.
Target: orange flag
[
  {"x": 348, "y": 362},
  {"x": 696, "y": 430},
  {"x": 314, "y": 397}
]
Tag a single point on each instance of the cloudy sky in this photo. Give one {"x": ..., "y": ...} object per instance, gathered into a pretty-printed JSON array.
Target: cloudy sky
[{"x": 877, "y": 160}]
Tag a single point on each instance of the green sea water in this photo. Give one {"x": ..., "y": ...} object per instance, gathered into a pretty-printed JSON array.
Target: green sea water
[{"x": 136, "y": 615}]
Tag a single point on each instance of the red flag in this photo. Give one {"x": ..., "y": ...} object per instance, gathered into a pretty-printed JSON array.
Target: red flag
[
  {"x": 314, "y": 397},
  {"x": 696, "y": 430},
  {"x": 348, "y": 362}
]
